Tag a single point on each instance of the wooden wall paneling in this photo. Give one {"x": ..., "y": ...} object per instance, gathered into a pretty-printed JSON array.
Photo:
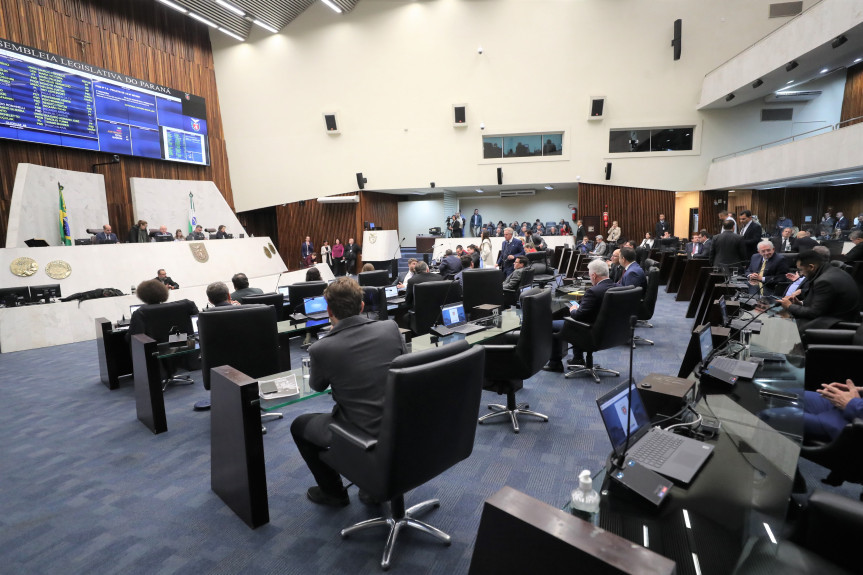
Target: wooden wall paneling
[
  {"x": 319, "y": 221},
  {"x": 852, "y": 100},
  {"x": 635, "y": 209},
  {"x": 139, "y": 39}
]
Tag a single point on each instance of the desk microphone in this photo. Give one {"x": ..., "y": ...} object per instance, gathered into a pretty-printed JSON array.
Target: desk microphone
[
  {"x": 734, "y": 333},
  {"x": 397, "y": 250},
  {"x": 277, "y": 281}
]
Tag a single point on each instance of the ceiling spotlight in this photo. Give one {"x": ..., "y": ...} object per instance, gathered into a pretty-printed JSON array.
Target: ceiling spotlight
[
  {"x": 479, "y": 191},
  {"x": 231, "y": 34},
  {"x": 757, "y": 83},
  {"x": 176, "y": 7},
  {"x": 838, "y": 41},
  {"x": 202, "y": 19},
  {"x": 265, "y": 26},
  {"x": 333, "y": 6},
  {"x": 729, "y": 97},
  {"x": 230, "y": 7},
  {"x": 549, "y": 187},
  {"x": 791, "y": 65},
  {"x": 857, "y": 60},
  {"x": 824, "y": 70},
  {"x": 789, "y": 82}
]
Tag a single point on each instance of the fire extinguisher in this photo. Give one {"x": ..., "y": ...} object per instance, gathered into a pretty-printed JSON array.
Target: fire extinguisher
[
  {"x": 574, "y": 213},
  {"x": 605, "y": 219}
]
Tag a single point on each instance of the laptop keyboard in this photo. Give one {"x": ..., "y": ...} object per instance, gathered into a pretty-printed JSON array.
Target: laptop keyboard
[{"x": 655, "y": 448}]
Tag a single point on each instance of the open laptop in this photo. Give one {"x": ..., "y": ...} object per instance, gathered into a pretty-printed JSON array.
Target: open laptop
[
  {"x": 393, "y": 296},
  {"x": 284, "y": 291},
  {"x": 315, "y": 307},
  {"x": 735, "y": 367},
  {"x": 455, "y": 319},
  {"x": 674, "y": 456},
  {"x": 737, "y": 324}
]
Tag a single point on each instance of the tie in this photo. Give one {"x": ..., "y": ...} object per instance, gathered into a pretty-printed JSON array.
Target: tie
[
  {"x": 694, "y": 249},
  {"x": 761, "y": 275}
]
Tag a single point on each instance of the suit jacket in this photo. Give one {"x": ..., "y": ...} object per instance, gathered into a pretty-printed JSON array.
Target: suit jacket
[
  {"x": 777, "y": 244},
  {"x": 512, "y": 248},
  {"x": 246, "y": 291},
  {"x": 660, "y": 229},
  {"x": 634, "y": 276},
  {"x": 591, "y": 302},
  {"x": 751, "y": 237},
  {"x": 449, "y": 266},
  {"x": 196, "y": 236},
  {"x": 579, "y": 234},
  {"x": 403, "y": 277},
  {"x": 418, "y": 279},
  {"x": 699, "y": 250},
  {"x": 514, "y": 279},
  {"x": 728, "y": 249},
  {"x": 833, "y": 297},
  {"x": 615, "y": 272},
  {"x": 706, "y": 248},
  {"x": 103, "y": 238},
  {"x": 353, "y": 360},
  {"x": 774, "y": 271},
  {"x": 307, "y": 249},
  {"x": 613, "y": 234},
  {"x": 600, "y": 249},
  {"x": 476, "y": 221},
  {"x": 842, "y": 223},
  {"x": 351, "y": 251},
  {"x": 804, "y": 244},
  {"x": 855, "y": 254},
  {"x": 168, "y": 282}
]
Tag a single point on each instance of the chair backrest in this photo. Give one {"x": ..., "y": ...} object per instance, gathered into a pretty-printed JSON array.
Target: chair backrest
[
  {"x": 526, "y": 277},
  {"x": 611, "y": 327},
  {"x": 374, "y": 278},
  {"x": 375, "y": 300},
  {"x": 244, "y": 337},
  {"x": 534, "y": 341},
  {"x": 276, "y": 300},
  {"x": 648, "y": 302},
  {"x": 649, "y": 263},
  {"x": 428, "y": 297},
  {"x": 835, "y": 247},
  {"x": 161, "y": 319},
  {"x": 415, "y": 443},
  {"x": 537, "y": 256},
  {"x": 480, "y": 287},
  {"x": 298, "y": 292}
]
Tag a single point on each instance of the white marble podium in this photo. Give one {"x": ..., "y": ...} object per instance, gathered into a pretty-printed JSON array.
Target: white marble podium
[{"x": 381, "y": 245}]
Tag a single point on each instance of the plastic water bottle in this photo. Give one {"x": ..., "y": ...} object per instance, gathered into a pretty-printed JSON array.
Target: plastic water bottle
[{"x": 585, "y": 499}]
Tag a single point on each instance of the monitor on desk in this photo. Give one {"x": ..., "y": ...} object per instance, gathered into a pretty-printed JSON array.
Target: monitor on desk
[
  {"x": 132, "y": 308},
  {"x": 284, "y": 291},
  {"x": 44, "y": 293},
  {"x": 391, "y": 291},
  {"x": 315, "y": 305},
  {"x": 14, "y": 296}
]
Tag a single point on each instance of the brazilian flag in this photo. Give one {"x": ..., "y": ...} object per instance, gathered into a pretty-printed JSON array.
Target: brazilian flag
[{"x": 65, "y": 234}]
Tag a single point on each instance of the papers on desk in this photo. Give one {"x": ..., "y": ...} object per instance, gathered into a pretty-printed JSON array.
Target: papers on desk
[{"x": 279, "y": 387}]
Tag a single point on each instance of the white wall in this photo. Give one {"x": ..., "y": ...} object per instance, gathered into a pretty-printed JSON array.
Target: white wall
[
  {"x": 416, "y": 217},
  {"x": 547, "y": 205},
  {"x": 393, "y": 70}
]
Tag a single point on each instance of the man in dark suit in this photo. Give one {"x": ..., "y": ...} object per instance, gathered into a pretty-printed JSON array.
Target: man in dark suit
[
  {"x": 450, "y": 265},
  {"x": 615, "y": 270},
  {"x": 693, "y": 249},
  {"x": 475, "y": 224},
  {"x": 579, "y": 232},
  {"x": 585, "y": 312},
  {"x": 367, "y": 347},
  {"x": 197, "y": 235},
  {"x": 766, "y": 269},
  {"x": 514, "y": 279},
  {"x": 805, "y": 241},
  {"x": 633, "y": 275},
  {"x": 509, "y": 250},
  {"x": 750, "y": 230},
  {"x": 352, "y": 252},
  {"x": 106, "y": 236},
  {"x": 833, "y": 294},
  {"x": 706, "y": 244},
  {"x": 841, "y": 222},
  {"x": 163, "y": 277},
  {"x": 422, "y": 275},
  {"x": 728, "y": 248},
  {"x": 306, "y": 250},
  {"x": 661, "y": 227},
  {"x": 856, "y": 253},
  {"x": 785, "y": 243}
]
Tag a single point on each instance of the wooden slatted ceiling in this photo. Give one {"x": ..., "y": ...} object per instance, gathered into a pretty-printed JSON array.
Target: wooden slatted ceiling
[
  {"x": 134, "y": 38},
  {"x": 635, "y": 209}
]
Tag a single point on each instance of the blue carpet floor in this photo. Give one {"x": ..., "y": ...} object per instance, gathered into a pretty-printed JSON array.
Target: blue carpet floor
[{"x": 86, "y": 488}]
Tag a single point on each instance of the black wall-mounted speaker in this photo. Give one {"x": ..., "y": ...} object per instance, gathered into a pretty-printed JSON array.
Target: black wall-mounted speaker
[
  {"x": 676, "y": 41},
  {"x": 597, "y": 107},
  {"x": 459, "y": 115},
  {"x": 330, "y": 121},
  {"x": 361, "y": 181},
  {"x": 608, "y": 171},
  {"x": 500, "y": 176}
]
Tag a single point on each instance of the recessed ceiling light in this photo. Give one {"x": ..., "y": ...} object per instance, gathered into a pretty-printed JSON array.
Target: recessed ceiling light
[
  {"x": 202, "y": 19},
  {"x": 857, "y": 60},
  {"x": 789, "y": 82},
  {"x": 824, "y": 70},
  {"x": 176, "y": 7},
  {"x": 230, "y": 7},
  {"x": 479, "y": 191},
  {"x": 549, "y": 188},
  {"x": 231, "y": 34},
  {"x": 333, "y": 6},
  {"x": 265, "y": 26}
]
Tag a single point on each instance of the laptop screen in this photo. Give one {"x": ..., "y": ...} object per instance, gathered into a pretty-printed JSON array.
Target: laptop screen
[
  {"x": 315, "y": 304},
  {"x": 723, "y": 310},
  {"x": 392, "y": 291},
  {"x": 614, "y": 408},
  {"x": 194, "y": 324},
  {"x": 132, "y": 308},
  {"x": 705, "y": 342},
  {"x": 284, "y": 290},
  {"x": 453, "y": 314}
]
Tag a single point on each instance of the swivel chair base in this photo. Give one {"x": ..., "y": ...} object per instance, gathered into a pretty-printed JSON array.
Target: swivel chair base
[
  {"x": 638, "y": 339},
  {"x": 180, "y": 379},
  {"x": 643, "y": 323},
  {"x": 513, "y": 411},
  {"x": 400, "y": 518},
  {"x": 592, "y": 370}
]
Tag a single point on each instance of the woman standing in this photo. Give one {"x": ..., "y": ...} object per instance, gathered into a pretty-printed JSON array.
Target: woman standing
[
  {"x": 339, "y": 258},
  {"x": 326, "y": 254},
  {"x": 485, "y": 251}
]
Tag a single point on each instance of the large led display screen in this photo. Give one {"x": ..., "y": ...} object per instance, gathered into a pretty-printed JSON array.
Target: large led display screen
[{"x": 49, "y": 99}]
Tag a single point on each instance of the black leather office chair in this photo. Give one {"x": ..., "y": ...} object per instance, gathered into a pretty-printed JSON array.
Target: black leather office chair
[
  {"x": 160, "y": 321},
  {"x": 511, "y": 297},
  {"x": 516, "y": 356},
  {"x": 543, "y": 274},
  {"x": 833, "y": 355},
  {"x": 242, "y": 336},
  {"x": 841, "y": 456},
  {"x": 375, "y": 302},
  {"x": 374, "y": 278},
  {"x": 298, "y": 292},
  {"x": 415, "y": 444},
  {"x": 483, "y": 286},
  {"x": 611, "y": 328},
  {"x": 276, "y": 300},
  {"x": 428, "y": 298},
  {"x": 825, "y": 541},
  {"x": 648, "y": 303}
]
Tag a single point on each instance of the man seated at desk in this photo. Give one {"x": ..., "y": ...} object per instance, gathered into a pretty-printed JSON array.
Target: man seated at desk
[
  {"x": 586, "y": 312},
  {"x": 766, "y": 269},
  {"x": 422, "y": 275},
  {"x": 152, "y": 293},
  {"x": 219, "y": 296},
  {"x": 106, "y": 236},
  {"x": 405, "y": 277},
  {"x": 196, "y": 235},
  {"x": 833, "y": 295},
  {"x": 368, "y": 347},
  {"x": 633, "y": 275},
  {"x": 512, "y": 281},
  {"x": 162, "y": 276},
  {"x": 163, "y": 235},
  {"x": 241, "y": 287}
]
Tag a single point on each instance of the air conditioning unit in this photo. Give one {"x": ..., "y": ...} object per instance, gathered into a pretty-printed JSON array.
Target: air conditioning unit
[
  {"x": 793, "y": 96},
  {"x": 339, "y": 200},
  {"x": 516, "y": 193}
]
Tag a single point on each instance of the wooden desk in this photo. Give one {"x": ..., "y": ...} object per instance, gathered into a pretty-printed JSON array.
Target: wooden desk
[
  {"x": 115, "y": 357},
  {"x": 698, "y": 291},
  {"x": 425, "y": 244},
  {"x": 691, "y": 274},
  {"x": 678, "y": 263}
]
